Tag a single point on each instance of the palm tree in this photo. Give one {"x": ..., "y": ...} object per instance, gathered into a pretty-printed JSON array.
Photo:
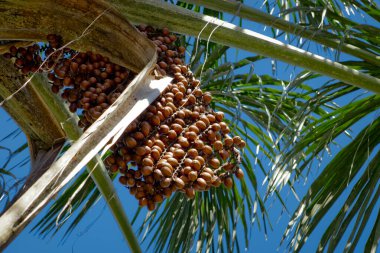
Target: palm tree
[{"x": 289, "y": 124}]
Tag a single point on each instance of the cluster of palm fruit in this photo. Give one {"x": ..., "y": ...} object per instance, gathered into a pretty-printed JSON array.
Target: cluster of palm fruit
[
  {"x": 26, "y": 59},
  {"x": 179, "y": 143},
  {"x": 87, "y": 81},
  {"x": 170, "y": 56},
  {"x": 90, "y": 82}
]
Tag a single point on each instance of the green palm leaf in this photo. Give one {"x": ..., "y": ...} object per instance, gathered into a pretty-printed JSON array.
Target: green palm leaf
[
  {"x": 330, "y": 185},
  {"x": 317, "y": 136}
]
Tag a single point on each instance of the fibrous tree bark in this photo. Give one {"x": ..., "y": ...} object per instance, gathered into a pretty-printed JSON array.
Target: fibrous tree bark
[
  {"x": 28, "y": 109},
  {"x": 44, "y": 133}
]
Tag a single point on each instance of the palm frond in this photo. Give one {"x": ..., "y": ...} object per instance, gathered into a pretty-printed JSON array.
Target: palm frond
[
  {"x": 292, "y": 27},
  {"x": 331, "y": 20},
  {"x": 297, "y": 156},
  {"x": 57, "y": 216},
  {"x": 260, "y": 109},
  {"x": 358, "y": 159},
  {"x": 194, "y": 224}
]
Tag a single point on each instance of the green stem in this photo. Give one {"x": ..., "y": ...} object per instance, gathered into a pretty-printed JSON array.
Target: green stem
[
  {"x": 104, "y": 184},
  {"x": 183, "y": 21},
  {"x": 325, "y": 38},
  {"x": 57, "y": 107},
  {"x": 95, "y": 167}
]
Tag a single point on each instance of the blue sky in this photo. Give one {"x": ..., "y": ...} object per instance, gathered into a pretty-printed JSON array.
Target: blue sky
[{"x": 98, "y": 232}]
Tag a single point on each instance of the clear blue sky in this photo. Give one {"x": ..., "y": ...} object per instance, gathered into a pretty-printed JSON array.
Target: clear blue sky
[{"x": 98, "y": 232}]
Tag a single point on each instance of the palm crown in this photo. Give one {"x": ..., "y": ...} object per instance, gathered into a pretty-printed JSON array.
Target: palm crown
[{"x": 289, "y": 125}]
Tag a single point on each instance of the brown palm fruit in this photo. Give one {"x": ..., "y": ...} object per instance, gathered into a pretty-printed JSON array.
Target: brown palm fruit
[
  {"x": 166, "y": 171},
  {"x": 140, "y": 150},
  {"x": 176, "y": 144},
  {"x": 236, "y": 140},
  {"x": 192, "y": 153},
  {"x": 157, "y": 175},
  {"x": 206, "y": 176},
  {"x": 179, "y": 183},
  {"x": 190, "y": 192},
  {"x": 200, "y": 159},
  {"x": 151, "y": 205},
  {"x": 239, "y": 173},
  {"x": 123, "y": 180},
  {"x": 179, "y": 153},
  {"x": 209, "y": 170},
  {"x": 242, "y": 144},
  {"x": 186, "y": 170},
  {"x": 216, "y": 181},
  {"x": 201, "y": 183},
  {"x": 218, "y": 145},
  {"x": 131, "y": 142},
  {"x": 228, "y": 142},
  {"x": 173, "y": 162},
  {"x": 147, "y": 170},
  {"x": 167, "y": 192},
  {"x": 196, "y": 165},
  {"x": 228, "y": 182},
  {"x": 165, "y": 183},
  {"x": 143, "y": 202},
  {"x": 207, "y": 150},
  {"x": 193, "y": 175},
  {"x": 214, "y": 162},
  {"x": 224, "y": 154},
  {"x": 228, "y": 166},
  {"x": 158, "y": 198}
]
